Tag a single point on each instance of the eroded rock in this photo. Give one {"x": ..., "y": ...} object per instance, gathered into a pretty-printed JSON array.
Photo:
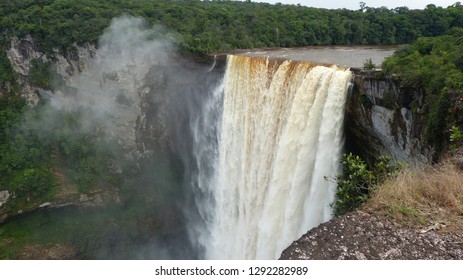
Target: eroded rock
[
  {"x": 362, "y": 236},
  {"x": 384, "y": 119}
]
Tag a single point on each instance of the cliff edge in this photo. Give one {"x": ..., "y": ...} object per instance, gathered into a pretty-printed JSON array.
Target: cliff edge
[{"x": 364, "y": 236}]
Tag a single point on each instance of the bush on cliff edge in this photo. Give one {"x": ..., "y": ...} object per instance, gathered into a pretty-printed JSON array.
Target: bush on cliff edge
[{"x": 357, "y": 180}]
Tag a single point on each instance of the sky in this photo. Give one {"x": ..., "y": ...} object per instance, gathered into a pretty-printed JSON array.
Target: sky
[{"x": 354, "y": 4}]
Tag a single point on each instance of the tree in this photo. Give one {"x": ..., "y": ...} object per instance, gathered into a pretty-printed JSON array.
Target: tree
[
  {"x": 363, "y": 6},
  {"x": 368, "y": 64}
]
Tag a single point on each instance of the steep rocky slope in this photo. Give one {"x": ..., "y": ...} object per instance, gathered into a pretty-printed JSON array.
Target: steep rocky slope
[{"x": 385, "y": 119}]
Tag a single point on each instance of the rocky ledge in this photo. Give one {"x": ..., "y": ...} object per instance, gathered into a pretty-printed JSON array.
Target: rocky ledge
[{"x": 363, "y": 236}]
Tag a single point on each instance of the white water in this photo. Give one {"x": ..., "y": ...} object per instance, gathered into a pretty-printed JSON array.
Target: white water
[{"x": 280, "y": 135}]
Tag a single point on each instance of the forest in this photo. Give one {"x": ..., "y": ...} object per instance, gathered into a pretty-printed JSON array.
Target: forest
[
  {"x": 32, "y": 158},
  {"x": 207, "y": 26}
]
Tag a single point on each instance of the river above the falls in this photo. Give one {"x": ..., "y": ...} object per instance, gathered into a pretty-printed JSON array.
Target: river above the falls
[{"x": 342, "y": 56}]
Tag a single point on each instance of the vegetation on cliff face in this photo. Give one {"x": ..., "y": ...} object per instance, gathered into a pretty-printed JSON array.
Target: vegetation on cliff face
[
  {"x": 7, "y": 75},
  {"x": 434, "y": 194},
  {"x": 358, "y": 180},
  {"x": 51, "y": 155},
  {"x": 42, "y": 144},
  {"x": 25, "y": 161},
  {"x": 40, "y": 74},
  {"x": 434, "y": 64}
]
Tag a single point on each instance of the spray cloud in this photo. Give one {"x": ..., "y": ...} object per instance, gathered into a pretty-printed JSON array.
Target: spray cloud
[{"x": 133, "y": 104}]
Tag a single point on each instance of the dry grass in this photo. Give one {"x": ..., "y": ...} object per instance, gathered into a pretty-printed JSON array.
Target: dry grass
[{"x": 422, "y": 198}]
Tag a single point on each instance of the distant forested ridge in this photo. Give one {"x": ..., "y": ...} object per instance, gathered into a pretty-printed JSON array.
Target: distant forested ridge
[{"x": 207, "y": 26}]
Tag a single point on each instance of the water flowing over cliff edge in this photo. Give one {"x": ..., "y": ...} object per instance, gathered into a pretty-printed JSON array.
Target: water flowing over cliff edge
[{"x": 281, "y": 134}]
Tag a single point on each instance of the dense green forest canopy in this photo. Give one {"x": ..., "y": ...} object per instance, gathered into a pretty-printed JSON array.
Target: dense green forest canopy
[{"x": 206, "y": 26}]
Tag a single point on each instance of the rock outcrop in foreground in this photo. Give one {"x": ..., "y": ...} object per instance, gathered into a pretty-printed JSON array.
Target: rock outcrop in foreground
[{"x": 361, "y": 236}]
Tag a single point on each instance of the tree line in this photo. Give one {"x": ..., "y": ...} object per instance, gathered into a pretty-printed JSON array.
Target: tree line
[{"x": 207, "y": 26}]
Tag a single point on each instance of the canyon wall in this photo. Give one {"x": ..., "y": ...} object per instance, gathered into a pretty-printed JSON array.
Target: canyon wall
[{"x": 384, "y": 119}]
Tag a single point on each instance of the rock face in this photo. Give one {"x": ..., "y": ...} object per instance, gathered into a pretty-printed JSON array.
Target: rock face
[
  {"x": 151, "y": 128},
  {"x": 361, "y": 236},
  {"x": 384, "y": 119},
  {"x": 4, "y": 196},
  {"x": 99, "y": 83},
  {"x": 23, "y": 51},
  {"x": 132, "y": 94}
]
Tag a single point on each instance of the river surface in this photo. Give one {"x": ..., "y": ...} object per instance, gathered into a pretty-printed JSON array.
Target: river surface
[{"x": 342, "y": 56}]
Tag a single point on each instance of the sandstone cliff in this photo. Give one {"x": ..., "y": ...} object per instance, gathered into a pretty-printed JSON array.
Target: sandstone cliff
[
  {"x": 83, "y": 78},
  {"x": 385, "y": 119}
]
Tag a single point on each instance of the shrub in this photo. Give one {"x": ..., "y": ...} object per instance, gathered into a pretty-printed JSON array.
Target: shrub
[
  {"x": 455, "y": 137},
  {"x": 40, "y": 74},
  {"x": 357, "y": 180},
  {"x": 436, "y": 122},
  {"x": 369, "y": 65}
]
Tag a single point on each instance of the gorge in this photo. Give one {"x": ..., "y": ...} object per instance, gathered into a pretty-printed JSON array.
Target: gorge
[{"x": 244, "y": 155}]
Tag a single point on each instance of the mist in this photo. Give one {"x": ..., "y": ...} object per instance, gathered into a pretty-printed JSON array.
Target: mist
[
  {"x": 108, "y": 86},
  {"x": 138, "y": 105}
]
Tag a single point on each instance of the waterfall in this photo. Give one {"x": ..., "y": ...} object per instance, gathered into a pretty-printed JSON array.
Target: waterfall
[{"x": 279, "y": 136}]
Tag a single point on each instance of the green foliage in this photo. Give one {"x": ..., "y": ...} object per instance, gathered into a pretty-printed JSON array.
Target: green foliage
[
  {"x": 6, "y": 71},
  {"x": 353, "y": 184},
  {"x": 40, "y": 74},
  {"x": 37, "y": 142},
  {"x": 368, "y": 64},
  {"x": 455, "y": 137},
  {"x": 32, "y": 182},
  {"x": 365, "y": 101},
  {"x": 25, "y": 168},
  {"x": 385, "y": 168},
  {"x": 389, "y": 100},
  {"x": 430, "y": 63},
  {"x": 207, "y": 26},
  {"x": 357, "y": 180},
  {"x": 434, "y": 64},
  {"x": 436, "y": 122},
  {"x": 85, "y": 152}
]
